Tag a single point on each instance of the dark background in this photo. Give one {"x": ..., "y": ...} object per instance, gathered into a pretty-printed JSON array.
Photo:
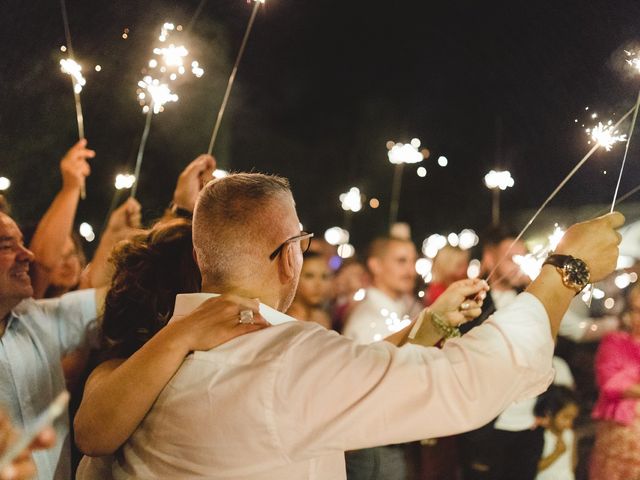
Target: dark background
[{"x": 323, "y": 85}]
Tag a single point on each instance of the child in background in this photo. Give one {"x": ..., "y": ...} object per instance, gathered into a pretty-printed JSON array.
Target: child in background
[{"x": 558, "y": 409}]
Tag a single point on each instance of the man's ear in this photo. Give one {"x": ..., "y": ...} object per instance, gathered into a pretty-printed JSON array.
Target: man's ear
[
  {"x": 287, "y": 263},
  {"x": 373, "y": 264}
]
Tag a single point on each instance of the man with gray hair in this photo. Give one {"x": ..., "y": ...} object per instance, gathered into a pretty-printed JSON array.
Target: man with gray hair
[{"x": 287, "y": 401}]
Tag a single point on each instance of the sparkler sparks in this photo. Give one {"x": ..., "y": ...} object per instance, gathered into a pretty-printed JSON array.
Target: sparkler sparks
[
  {"x": 605, "y": 135},
  {"x": 74, "y": 69},
  {"x": 153, "y": 94},
  {"x": 633, "y": 61}
]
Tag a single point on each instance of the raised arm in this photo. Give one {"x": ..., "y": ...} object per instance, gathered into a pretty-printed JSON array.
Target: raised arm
[
  {"x": 596, "y": 243},
  {"x": 56, "y": 225},
  {"x": 102, "y": 424}
]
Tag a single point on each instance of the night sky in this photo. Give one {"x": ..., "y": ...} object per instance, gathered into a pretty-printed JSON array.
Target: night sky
[{"x": 321, "y": 89}]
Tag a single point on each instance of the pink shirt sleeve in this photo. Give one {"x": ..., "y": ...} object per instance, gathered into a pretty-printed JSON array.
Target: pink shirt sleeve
[{"x": 347, "y": 396}]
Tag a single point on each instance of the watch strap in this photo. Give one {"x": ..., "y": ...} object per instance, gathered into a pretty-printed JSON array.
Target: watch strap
[{"x": 557, "y": 260}]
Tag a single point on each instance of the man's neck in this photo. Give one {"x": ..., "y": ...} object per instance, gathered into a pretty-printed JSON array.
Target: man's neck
[{"x": 270, "y": 300}]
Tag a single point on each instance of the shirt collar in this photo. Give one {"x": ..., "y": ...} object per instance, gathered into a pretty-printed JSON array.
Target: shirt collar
[{"x": 188, "y": 302}]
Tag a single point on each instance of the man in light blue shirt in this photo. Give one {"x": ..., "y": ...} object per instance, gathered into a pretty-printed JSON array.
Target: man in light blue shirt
[{"x": 34, "y": 335}]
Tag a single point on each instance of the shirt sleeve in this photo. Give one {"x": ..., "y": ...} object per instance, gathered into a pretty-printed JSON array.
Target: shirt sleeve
[
  {"x": 347, "y": 396},
  {"x": 73, "y": 316}
]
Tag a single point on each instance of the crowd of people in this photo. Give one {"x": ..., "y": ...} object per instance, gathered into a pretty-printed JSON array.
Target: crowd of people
[{"x": 221, "y": 341}]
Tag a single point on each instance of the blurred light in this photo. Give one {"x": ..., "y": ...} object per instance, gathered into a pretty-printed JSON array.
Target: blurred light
[
  {"x": 98, "y": 68},
  {"x": 473, "y": 270},
  {"x": 624, "y": 262},
  {"x": 86, "y": 232},
  {"x": 415, "y": 143},
  {"x": 352, "y": 200},
  {"x": 421, "y": 294},
  {"x": 598, "y": 294},
  {"x": 404, "y": 153},
  {"x": 529, "y": 264},
  {"x": 377, "y": 337},
  {"x": 301, "y": 226},
  {"x": 422, "y": 172},
  {"x": 633, "y": 277},
  {"x": 346, "y": 250},
  {"x": 220, "y": 173},
  {"x": 390, "y": 144},
  {"x": 423, "y": 266},
  {"x": 555, "y": 237},
  {"x": 124, "y": 181},
  {"x": 374, "y": 203},
  {"x": 453, "y": 239},
  {"x": 334, "y": 262},
  {"x": 443, "y": 161},
  {"x": 153, "y": 63},
  {"x": 336, "y": 236},
  {"x": 5, "y": 183},
  {"x": 63, "y": 48},
  {"x": 498, "y": 179},
  {"x": 433, "y": 244},
  {"x": 609, "y": 303},
  {"x": 467, "y": 239},
  {"x": 359, "y": 295},
  {"x": 622, "y": 281}
]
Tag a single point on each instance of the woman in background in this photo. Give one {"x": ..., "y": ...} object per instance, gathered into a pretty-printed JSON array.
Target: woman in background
[{"x": 616, "y": 453}]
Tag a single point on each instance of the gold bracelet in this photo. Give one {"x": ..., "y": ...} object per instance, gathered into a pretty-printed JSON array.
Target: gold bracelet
[{"x": 443, "y": 326}]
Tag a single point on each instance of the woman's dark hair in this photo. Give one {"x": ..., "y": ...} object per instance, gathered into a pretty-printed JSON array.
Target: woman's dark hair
[
  {"x": 554, "y": 400},
  {"x": 150, "y": 270}
]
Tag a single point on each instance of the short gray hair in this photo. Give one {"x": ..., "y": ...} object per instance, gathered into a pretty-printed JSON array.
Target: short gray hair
[{"x": 231, "y": 221}]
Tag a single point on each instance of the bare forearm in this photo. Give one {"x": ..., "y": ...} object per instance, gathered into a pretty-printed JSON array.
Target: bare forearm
[
  {"x": 554, "y": 296},
  {"x": 546, "y": 462},
  {"x": 55, "y": 227},
  {"x": 102, "y": 425},
  {"x": 100, "y": 270}
]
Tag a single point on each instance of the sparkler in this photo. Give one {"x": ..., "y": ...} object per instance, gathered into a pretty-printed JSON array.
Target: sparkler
[
  {"x": 554, "y": 193},
  {"x": 605, "y": 135},
  {"x": 154, "y": 93},
  {"x": 232, "y": 78},
  {"x": 635, "y": 63},
  {"x": 74, "y": 70},
  {"x": 399, "y": 154}
]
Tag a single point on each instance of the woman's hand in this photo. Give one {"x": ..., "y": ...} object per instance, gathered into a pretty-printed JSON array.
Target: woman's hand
[
  {"x": 217, "y": 321},
  {"x": 461, "y": 301}
]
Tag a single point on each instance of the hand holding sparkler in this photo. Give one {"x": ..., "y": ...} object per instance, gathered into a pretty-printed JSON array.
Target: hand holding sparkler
[
  {"x": 192, "y": 179},
  {"x": 74, "y": 166},
  {"x": 595, "y": 242}
]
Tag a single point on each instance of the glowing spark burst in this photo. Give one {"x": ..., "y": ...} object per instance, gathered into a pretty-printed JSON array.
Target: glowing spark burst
[
  {"x": 73, "y": 68},
  {"x": 153, "y": 94},
  {"x": 634, "y": 61},
  {"x": 605, "y": 135},
  {"x": 172, "y": 58},
  {"x": 529, "y": 264}
]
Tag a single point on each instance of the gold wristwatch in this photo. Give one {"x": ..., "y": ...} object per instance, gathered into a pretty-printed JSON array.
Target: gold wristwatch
[{"x": 574, "y": 272}]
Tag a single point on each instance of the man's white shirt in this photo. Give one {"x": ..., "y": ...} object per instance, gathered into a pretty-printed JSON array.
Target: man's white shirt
[{"x": 287, "y": 401}]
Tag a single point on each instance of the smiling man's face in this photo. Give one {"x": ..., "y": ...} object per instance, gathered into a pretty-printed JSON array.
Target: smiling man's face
[{"x": 15, "y": 283}]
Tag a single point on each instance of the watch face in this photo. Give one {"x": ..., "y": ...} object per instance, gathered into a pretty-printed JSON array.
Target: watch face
[{"x": 576, "y": 272}]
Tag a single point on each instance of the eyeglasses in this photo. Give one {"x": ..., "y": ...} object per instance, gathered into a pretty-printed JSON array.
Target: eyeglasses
[{"x": 305, "y": 242}]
